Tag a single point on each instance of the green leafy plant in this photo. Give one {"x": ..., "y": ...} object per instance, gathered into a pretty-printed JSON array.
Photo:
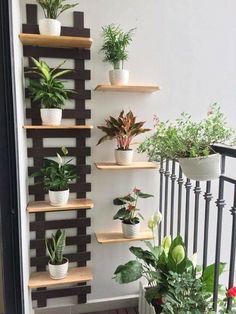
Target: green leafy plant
[
  {"x": 48, "y": 89},
  {"x": 175, "y": 284},
  {"x": 115, "y": 44},
  {"x": 129, "y": 213},
  {"x": 123, "y": 129},
  {"x": 186, "y": 138},
  {"x": 56, "y": 175},
  {"x": 55, "y": 247},
  {"x": 53, "y": 8}
]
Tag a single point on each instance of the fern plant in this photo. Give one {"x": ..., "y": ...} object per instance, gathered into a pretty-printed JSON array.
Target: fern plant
[
  {"x": 53, "y": 8},
  {"x": 55, "y": 247},
  {"x": 115, "y": 44}
]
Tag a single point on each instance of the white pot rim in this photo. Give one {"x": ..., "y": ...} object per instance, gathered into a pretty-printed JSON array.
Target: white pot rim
[
  {"x": 60, "y": 190},
  {"x": 42, "y": 108},
  {"x": 200, "y": 157},
  {"x": 64, "y": 259},
  {"x": 125, "y": 223},
  {"x": 124, "y": 150}
]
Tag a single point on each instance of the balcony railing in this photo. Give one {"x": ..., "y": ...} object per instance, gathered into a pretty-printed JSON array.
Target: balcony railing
[{"x": 199, "y": 212}]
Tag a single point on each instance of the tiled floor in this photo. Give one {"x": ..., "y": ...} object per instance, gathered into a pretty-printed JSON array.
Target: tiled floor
[{"x": 131, "y": 310}]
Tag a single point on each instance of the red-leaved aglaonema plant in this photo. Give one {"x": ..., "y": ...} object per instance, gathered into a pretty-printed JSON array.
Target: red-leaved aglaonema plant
[{"x": 123, "y": 129}]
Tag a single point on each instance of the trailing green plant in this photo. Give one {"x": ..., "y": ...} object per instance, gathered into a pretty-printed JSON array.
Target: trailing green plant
[
  {"x": 56, "y": 175},
  {"x": 115, "y": 44},
  {"x": 175, "y": 284},
  {"x": 123, "y": 129},
  {"x": 129, "y": 213},
  {"x": 55, "y": 247},
  {"x": 186, "y": 138},
  {"x": 53, "y": 8},
  {"x": 48, "y": 89}
]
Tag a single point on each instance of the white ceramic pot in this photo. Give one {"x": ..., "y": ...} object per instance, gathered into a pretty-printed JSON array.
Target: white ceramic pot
[
  {"x": 119, "y": 77},
  {"x": 51, "y": 116},
  {"x": 124, "y": 157},
  {"x": 58, "y": 198},
  {"x": 58, "y": 271},
  {"x": 49, "y": 27},
  {"x": 130, "y": 231},
  {"x": 201, "y": 168}
]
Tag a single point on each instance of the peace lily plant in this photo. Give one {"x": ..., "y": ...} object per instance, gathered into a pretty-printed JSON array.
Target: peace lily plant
[
  {"x": 129, "y": 213},
  {"x": 191, "y": 143},
  {"x": 52, "y": 9},
  {"x": 56, "y": 176}
]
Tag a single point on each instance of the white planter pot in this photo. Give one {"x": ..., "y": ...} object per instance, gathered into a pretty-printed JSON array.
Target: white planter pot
[
  {"x": 130, "y": 231},
  {"x": 143, "y": 306},
  {"x": 49, "y": 27},
  {"x": 51, "y": 116},
  {"x": 58, "y": 271},
  {"x": 58, "y": 198},
  {"x": 124, "y": 157},
  {"x": 119, "y": 77},
  {"x": 201, "y": 168}
]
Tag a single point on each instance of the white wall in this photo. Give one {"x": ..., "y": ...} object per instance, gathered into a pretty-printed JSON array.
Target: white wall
[{"x": 185, "y": 46}]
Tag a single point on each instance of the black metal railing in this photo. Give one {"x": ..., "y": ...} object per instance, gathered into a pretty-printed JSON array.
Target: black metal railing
[{"x": 188, "y": 209}]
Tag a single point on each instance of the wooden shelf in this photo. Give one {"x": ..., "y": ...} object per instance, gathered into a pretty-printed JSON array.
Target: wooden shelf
[
  {"x": 44, "y": 206},
  {"x": 117, "y": 237},
  {"x": 128, "y": 88},
  {"x": 57, "y": 127},
  {"x": 75, "y": 275},
  {"x": 55, "y": 41},
  {"x": 133, "y": 165}
]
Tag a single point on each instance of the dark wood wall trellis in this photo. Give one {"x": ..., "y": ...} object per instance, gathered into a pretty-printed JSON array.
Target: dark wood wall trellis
[{"x": 40, "y": 225}]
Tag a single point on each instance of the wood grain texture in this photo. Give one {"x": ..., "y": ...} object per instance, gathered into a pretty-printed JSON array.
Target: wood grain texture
[
  {"x": 57, "y": 127},
  {"x": 118, "y": 237},
  {"x": 55, "y": 41},
  {"x": 133, "y": 165},
  {"x": 128, "y": 88},
  {"x": 44, "y": 206},
  {"x": 75, "y": 275}
]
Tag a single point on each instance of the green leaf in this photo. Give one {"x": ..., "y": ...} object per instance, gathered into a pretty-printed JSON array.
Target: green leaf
[
  {"x": 209, "y": 275},
  {"x": 121, "y": 214},
  {"x": 129, "y": 272},
  {"x": 144, "y": 195},
  {"x": 146, "y": 256}
]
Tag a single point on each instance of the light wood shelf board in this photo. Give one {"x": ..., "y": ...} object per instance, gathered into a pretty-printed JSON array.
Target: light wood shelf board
[
  {"x": 128, "y": 88},
  {"x": 117, "y": 237},
  {"x": 75, "y": 275},
  {"x": 133, "y": 165},
  {"x": 57, "y": 127},
  {"x": 44, "y": 206},
  {"x": 55, "y": 41}
]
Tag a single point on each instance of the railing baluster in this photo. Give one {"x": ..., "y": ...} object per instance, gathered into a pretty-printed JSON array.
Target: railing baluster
[
  {"x": 166, "y": 174},
  {"x": 197, "y": 191},
  {"x": 220, "y": 204},
  {"x": 208, "y": 197},
  {"x": 188, "y": 186},
  {"x": 180, "y": 183},
  {"x": 233, "y": 250},
  {"x": 173, "y": 178},
  {"x": 161, "y": 171}
]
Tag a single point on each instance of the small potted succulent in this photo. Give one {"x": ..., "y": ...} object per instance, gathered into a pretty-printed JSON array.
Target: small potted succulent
[
  {"x": 123, "y": 129},
  {"x": 50, "y": 25},
  {"x": 191, "y": 143},
  {"x": 56, "y": 176},
  {"x": 114, "y": 47},
  {"x": 58, "y": 264},
  {"x": 48, "y": 90},
  {"x": 129, "y": 214}
]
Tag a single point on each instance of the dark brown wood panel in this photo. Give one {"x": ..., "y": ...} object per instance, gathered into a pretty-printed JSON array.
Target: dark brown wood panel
[
  {"x": 56, "y": 224},
  {"x": 83, "y": 239},
  {"x": 42, "y": 261},
  {"x": 57, "y": 293}
]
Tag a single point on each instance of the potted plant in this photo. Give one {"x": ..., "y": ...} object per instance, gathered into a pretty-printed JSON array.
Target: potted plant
[
  {"x": 50, "y": 25},
  {"x": 123, "y": 129},
  {"x": 58, "y": 264},
  {"x": 56, "y": 176},
  {"x": 129, "y": 214},
  {"x": 49, "y": 90},
  {"x": 114, "y": 47},
  {"x": 190, "y": 143},
  {"x": 175, "y": 283}
]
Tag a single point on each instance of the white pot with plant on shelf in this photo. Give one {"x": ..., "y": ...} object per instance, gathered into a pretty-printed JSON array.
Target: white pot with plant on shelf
[
  {"x": 191, "y": 143},
  {"x": 56, "y": 176},
  {"x": 128, "y": 213},
  {"x": 123, "y": 129},
  {"x": 49, "y": 25},
  {"x": 49, "y": 90},
  {"x": 58, "y": 264},
  {"x": 114, "y": 48}
]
